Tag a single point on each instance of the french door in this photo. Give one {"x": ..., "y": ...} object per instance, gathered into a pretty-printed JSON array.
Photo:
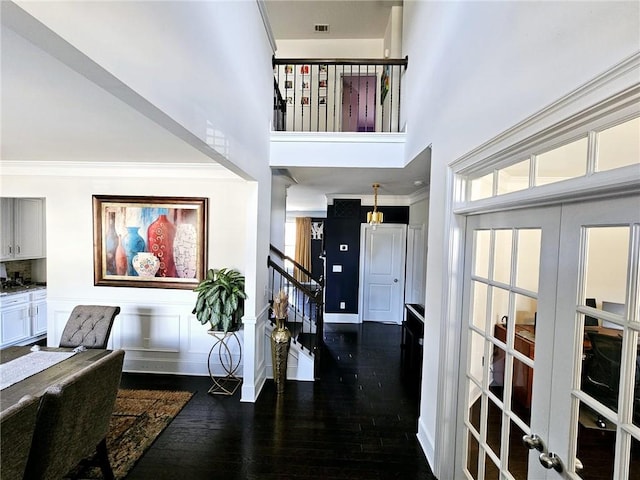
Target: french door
[{"x": 537, "y": 397}]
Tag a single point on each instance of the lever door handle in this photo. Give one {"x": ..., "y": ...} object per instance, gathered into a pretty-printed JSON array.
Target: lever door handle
[
  {"x": 551, "y": 460},
  {"x": 533, "y": 441}
]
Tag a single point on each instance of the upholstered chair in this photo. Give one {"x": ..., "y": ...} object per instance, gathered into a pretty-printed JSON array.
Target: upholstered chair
[
  {"x": 17, "y": 424},
  {"x": 89, "y": 326},
  {"x": 73, "y": 420}
]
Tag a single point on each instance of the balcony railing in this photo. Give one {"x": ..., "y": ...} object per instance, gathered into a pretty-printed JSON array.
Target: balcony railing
[{"x": 316, "y": 95}]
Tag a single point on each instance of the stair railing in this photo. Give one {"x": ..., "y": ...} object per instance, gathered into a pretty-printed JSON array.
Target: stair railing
[{"x": 306, "y": 302}]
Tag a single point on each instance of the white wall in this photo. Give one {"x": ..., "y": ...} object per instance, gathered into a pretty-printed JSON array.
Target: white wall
[
  {"x": 331, "y": 48},
  {"x": 156, "y": 326},
  {"x": 476, "y": 69},
  {"x": 186, "y": 64}
]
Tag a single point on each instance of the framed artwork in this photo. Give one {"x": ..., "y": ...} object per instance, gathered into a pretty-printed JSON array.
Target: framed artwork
[
  {"x": 289, "y": 100},
  {"x": 288, "y": 84},
  {"x": 304, "y": 100},
  {"x": 304, "y": 69},
  {"x": 305, "y": 85},
  {"x": 322, "y": 84},
  {"x": 322, "y": 100},
  {"x": 288, "y": 69},
  {"x": 322, "y": 68},
  {"x": 156, "y": 242}
]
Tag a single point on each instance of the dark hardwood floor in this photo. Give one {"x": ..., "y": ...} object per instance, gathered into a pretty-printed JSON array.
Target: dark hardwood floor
[{"x": 358, "y": 422}]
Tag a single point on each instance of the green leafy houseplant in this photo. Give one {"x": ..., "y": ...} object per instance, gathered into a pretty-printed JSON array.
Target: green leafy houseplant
[{"x": 220, "y": 299}]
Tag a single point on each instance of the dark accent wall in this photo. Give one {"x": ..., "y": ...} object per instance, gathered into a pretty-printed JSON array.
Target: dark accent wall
[{"x": 342, "y": 227}]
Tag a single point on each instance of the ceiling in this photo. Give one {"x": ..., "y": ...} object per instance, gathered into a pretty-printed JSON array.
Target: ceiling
[{"x": 295, "y": 19}]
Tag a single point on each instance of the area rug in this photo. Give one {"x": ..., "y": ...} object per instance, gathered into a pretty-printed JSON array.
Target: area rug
[{"x": 139, "y": 416}]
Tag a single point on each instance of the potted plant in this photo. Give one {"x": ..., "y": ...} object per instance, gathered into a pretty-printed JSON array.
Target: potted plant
[{"x": 220, "y": 299}]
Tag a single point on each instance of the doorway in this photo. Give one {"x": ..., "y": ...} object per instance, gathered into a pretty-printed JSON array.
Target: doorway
[
  {"x": 533, "y": 371},
  {"x": 359, "y": 103},
  {"x": 382, "y": 272}
]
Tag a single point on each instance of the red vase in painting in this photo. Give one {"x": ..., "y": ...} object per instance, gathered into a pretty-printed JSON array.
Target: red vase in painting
[{"x": 160, "y": 235}]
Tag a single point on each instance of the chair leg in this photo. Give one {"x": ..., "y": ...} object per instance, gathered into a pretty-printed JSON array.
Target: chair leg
[{"x": 103, "y": 460}]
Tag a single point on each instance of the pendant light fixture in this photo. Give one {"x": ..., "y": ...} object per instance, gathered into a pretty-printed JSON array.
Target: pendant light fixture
[{"x": 375, "y": 217}]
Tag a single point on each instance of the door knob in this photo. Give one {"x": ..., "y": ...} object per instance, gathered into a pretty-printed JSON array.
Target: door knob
[
  {"x": 533, "y": 441},
  {"x": 395, "y": 280},
  {"x": 551, "y": 460}
]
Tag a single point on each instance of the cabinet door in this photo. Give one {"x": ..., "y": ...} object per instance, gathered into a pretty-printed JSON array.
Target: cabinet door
[
  {"x": 15, "y": 323},
  {"x": 6, "y": 228},
  {"x": 29, "y": 231},
  {"x": 38, "y": 317}
]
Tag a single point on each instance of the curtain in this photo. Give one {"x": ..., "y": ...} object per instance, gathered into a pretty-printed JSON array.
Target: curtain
[{"x": 303, "y": 247}]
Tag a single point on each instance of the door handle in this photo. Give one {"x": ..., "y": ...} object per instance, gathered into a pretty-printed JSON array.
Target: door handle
[
  {"x": 533, "y": 441},
  {"x": 395, "y": 280},
  {"x": 551, "y": 460}
]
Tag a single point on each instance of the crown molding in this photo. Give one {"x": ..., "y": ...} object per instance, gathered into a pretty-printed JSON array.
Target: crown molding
[{"x": 115, "y": 169}]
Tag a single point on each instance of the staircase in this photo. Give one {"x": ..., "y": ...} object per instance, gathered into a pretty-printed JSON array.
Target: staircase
[{"x": 306, "y": 297}]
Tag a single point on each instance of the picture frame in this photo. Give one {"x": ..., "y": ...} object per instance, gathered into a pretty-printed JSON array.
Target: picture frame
[
  {"x": 322, "y": 83},
  {"x": 149, "y": 242},
  {"x": 305, "y": 85},
  {"x": 304, "y": 101},
  {"x": 288, "y": 84},
  {"x": 322, "y": 100},
  {"x": 322, "y": 68},
  {"x": 288, "y": 69},
  {"x": 304, "y": 69}
]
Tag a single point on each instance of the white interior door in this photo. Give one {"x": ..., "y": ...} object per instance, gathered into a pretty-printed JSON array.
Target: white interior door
[
  {"x": 382, "y": 267},
  {"x": 540, "y": 286},
  {"x": 595, "y": 415},
  {"x": 508, "y": 325}
]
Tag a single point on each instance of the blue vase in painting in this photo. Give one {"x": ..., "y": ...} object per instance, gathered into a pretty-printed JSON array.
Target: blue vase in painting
[{"x": 132, "y": 243}]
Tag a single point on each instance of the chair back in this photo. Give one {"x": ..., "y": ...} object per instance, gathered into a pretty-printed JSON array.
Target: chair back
[
  {"x": 89, "y": 326},
  {"x": 17, "y": 424},
  {"x": 74, "y": 417}
]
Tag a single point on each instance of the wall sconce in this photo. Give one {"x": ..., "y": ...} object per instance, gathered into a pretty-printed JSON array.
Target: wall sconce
[{"x": 375, "y": 217}]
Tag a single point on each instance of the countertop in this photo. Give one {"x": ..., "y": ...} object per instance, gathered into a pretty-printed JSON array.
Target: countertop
[{"x": 21, "y": 289}]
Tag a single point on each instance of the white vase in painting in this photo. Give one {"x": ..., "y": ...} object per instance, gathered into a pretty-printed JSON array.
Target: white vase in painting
[
  {"x": 185, "y": 250},
  {"x": 146, "y": 264}
]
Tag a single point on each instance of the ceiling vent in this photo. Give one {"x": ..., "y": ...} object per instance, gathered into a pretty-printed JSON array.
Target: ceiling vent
[{"x": 321, "y": 28}]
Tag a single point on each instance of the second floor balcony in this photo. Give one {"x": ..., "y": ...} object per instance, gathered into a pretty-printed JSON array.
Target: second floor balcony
[{"x": 322, "y": 95}]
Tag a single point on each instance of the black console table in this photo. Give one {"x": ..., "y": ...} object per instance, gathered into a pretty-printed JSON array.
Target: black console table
[{"x": 412, "y": 340}]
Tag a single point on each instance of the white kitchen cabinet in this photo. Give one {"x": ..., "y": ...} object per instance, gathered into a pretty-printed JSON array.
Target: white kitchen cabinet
[
  {"x": 22, "y": 222},
  {"x": 15, "y": 319},
  {"x": 23, "y": 317},
  {"x": 38, "y": 312}
]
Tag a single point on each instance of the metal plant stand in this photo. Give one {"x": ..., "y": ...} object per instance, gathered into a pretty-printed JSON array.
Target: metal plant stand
[{"x": 229, "y": 383}]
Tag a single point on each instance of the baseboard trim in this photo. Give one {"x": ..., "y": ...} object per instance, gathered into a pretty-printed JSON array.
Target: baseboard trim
[
  {"x": 341, "y": 318},
  {"x": 427, "y": 444}
]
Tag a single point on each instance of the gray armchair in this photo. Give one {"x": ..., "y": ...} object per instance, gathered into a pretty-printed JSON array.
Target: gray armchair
[
  {"x": 73, "y": 420},
  {"x": 89, "y": 326},
  {"x": 17, "y": 424}
]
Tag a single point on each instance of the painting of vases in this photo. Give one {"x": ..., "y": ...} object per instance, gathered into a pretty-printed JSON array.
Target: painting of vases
[{"x": 172, "y": 229}]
